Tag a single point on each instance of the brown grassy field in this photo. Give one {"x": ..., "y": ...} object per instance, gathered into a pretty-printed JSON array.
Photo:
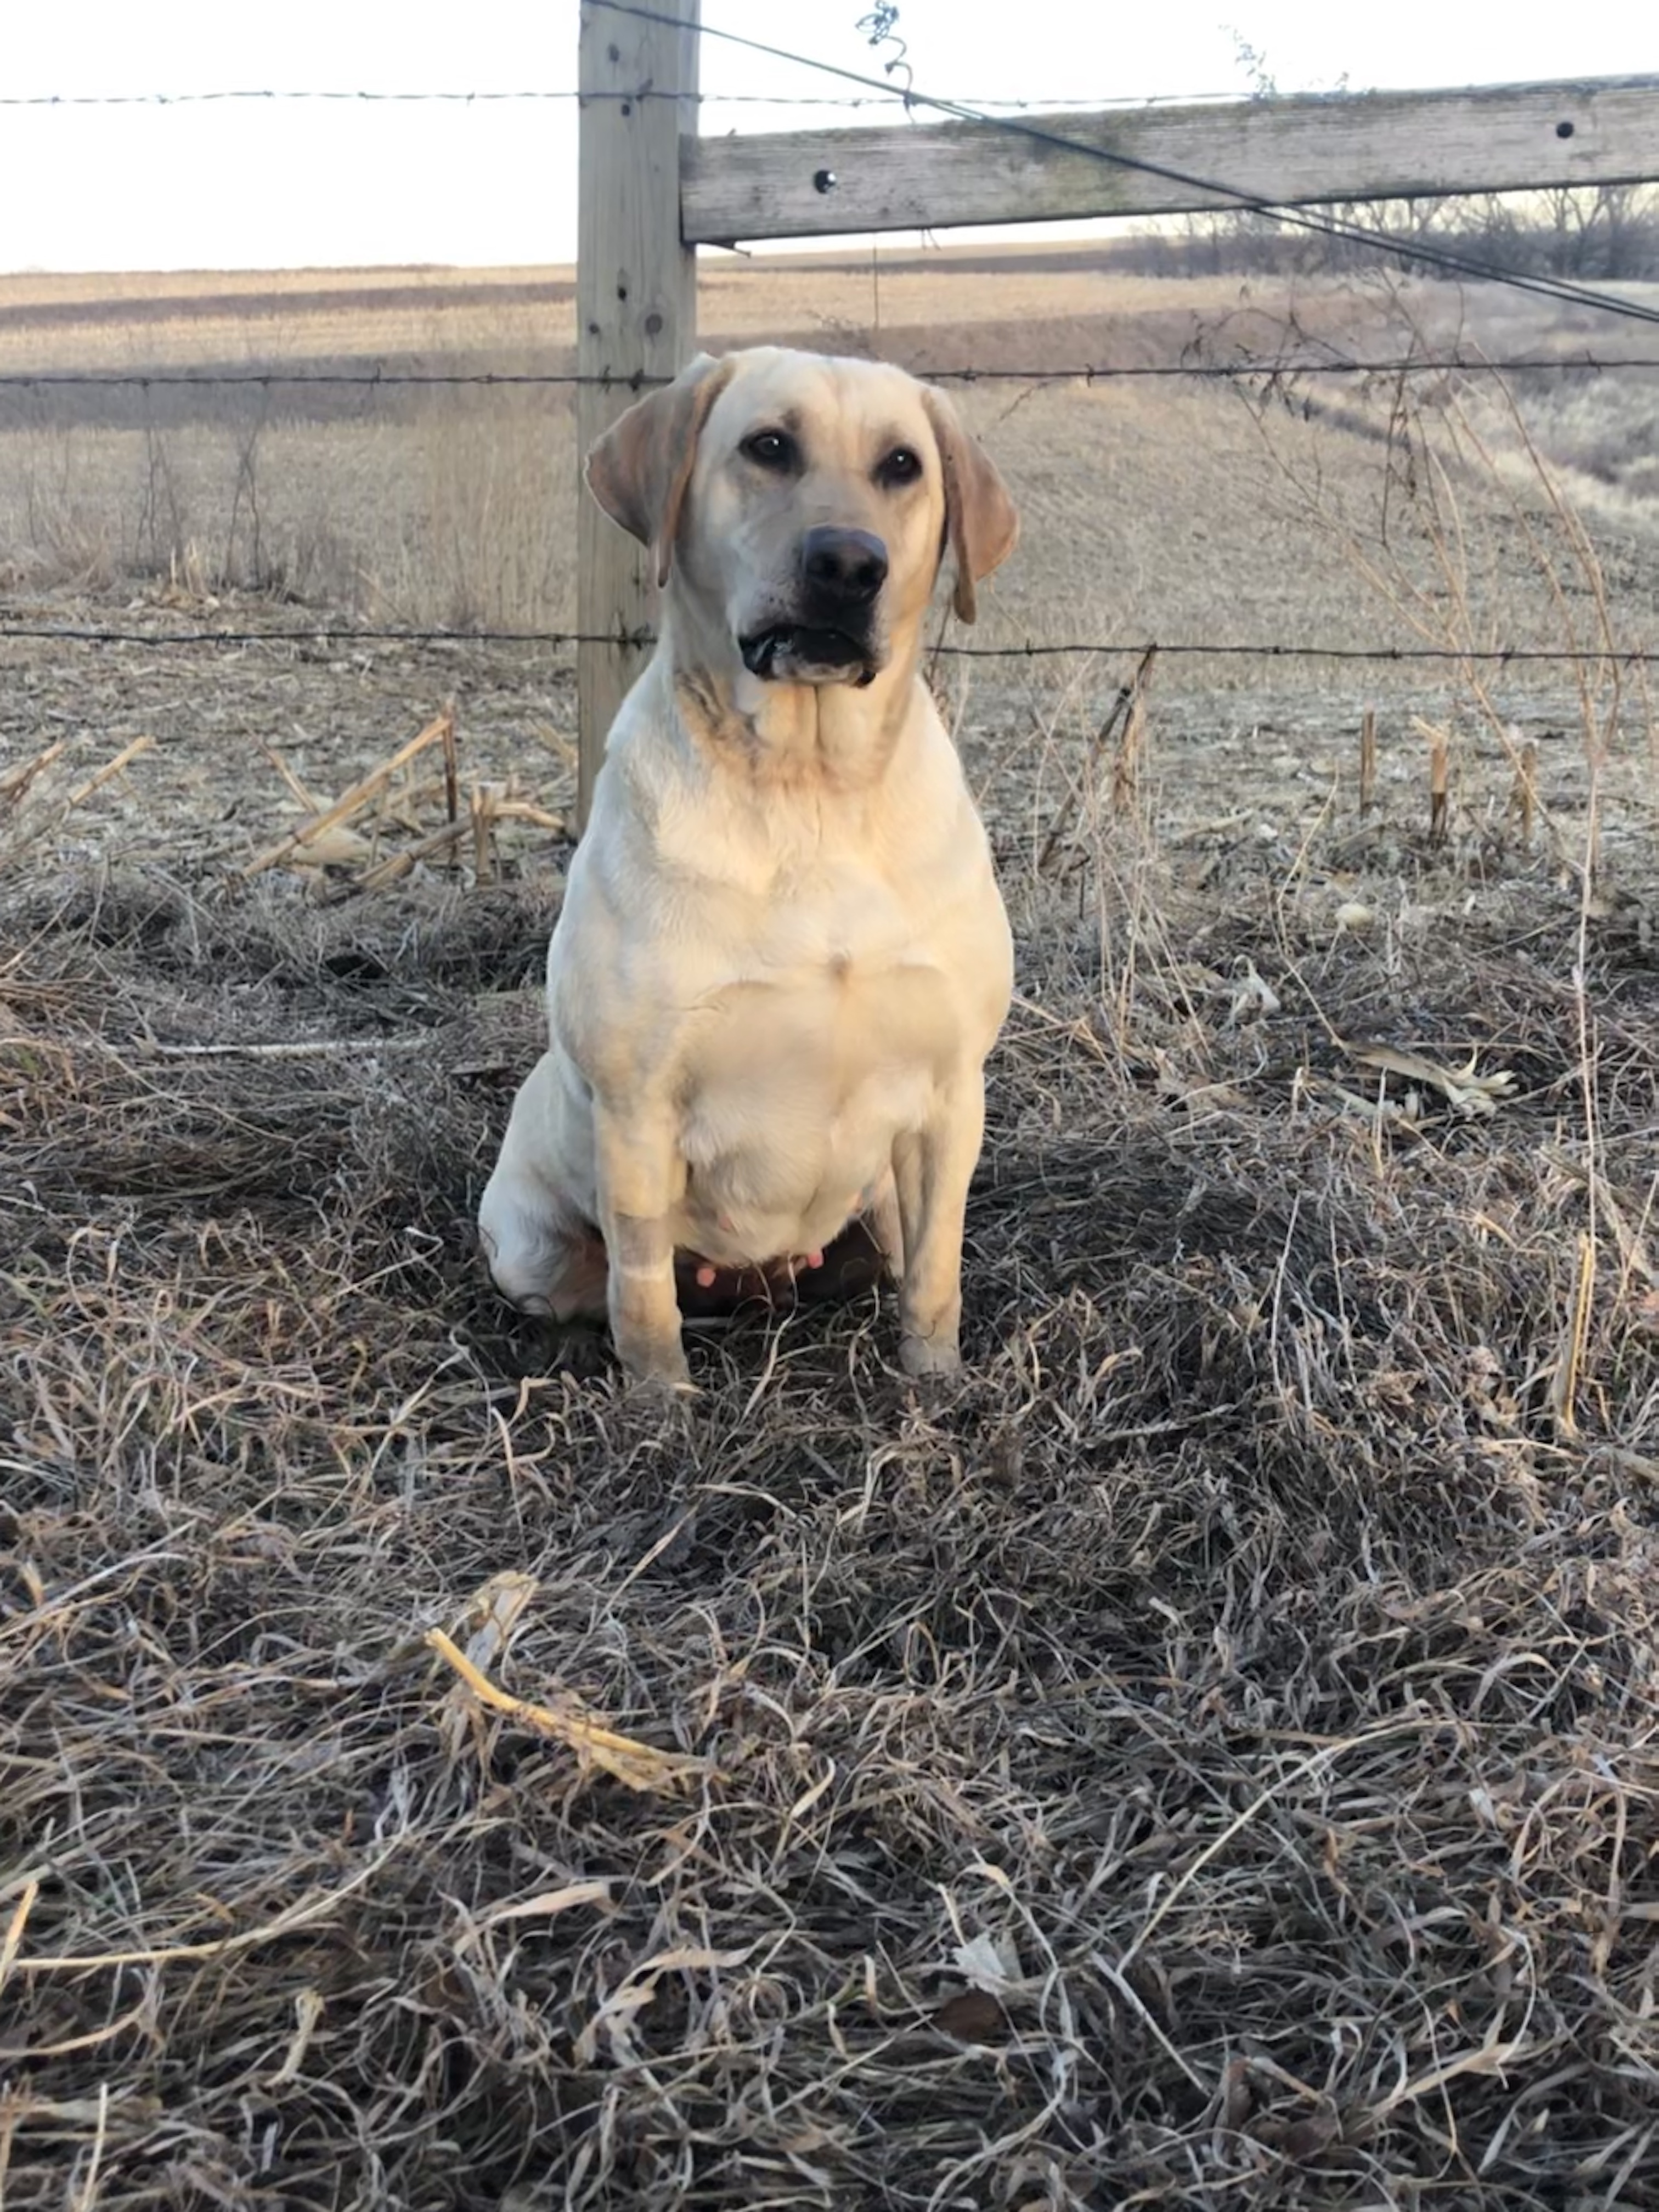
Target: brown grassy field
[
  {"x": 1206, "y": 1760},
  {"x": 454, "y": 506}
]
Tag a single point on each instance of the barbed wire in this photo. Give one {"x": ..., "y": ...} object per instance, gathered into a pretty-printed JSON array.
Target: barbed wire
[
  {"x": 481, "y": 96},
  {"x": 1421, "y": 248},
  {"x": 347, "y": 633},
  {"x": 1266, "y": 368},
  {"x": 870, "y": 92}
]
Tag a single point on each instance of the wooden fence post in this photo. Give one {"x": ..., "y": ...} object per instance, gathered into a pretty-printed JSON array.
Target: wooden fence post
[{"x": 636, "y": 315}]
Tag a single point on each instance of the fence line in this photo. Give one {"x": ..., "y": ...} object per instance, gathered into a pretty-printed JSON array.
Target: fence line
[
  {"x": 1250, "y": 203},
  {"x": 274, "y": 95},
  {"x": 1421, "y": 248},
  {"x": 646, "y": 204},
  {"x": 1266, "y": 368},
  {"x": 1027, "y": 649}
]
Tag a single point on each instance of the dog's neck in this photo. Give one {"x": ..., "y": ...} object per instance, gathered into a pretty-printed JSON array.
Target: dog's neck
[{"x": 840, "y": 737}]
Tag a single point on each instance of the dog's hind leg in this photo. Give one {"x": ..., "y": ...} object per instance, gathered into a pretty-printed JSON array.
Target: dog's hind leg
[
  {"x": 541, "y": 1264},
  {"x": 543, "y": 1255},
  {"x": 542, "y": 1267}
]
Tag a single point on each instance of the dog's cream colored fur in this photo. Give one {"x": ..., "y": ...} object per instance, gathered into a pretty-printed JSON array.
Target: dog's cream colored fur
[{"x": 782, "y": 957}]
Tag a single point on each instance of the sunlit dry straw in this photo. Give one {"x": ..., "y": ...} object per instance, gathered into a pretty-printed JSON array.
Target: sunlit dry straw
[
  {"x": 1569, "y": 1359},
  {"x": 641, "y": 1766}
]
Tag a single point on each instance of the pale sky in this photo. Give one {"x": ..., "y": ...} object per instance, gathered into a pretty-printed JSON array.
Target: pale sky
[{"x": 298, "y": 184}]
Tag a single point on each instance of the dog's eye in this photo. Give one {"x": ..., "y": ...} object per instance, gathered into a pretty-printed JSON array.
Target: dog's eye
[
  {"x": 771, "y": 449},
  {"x": 901, "y": 466}
]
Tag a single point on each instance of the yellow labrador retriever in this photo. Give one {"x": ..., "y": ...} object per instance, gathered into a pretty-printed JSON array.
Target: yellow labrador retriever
[{"x": 782, "y": 957}]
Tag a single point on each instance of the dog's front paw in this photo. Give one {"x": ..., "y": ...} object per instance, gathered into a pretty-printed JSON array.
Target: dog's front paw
[
  {"x": 660, "y": 1403},
  {"x": 930, "y": 1358},
  {"x": 656, "y": 1369}
]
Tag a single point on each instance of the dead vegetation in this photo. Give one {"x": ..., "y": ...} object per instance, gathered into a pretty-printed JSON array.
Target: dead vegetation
[{"x": 1208, "y": 1760}]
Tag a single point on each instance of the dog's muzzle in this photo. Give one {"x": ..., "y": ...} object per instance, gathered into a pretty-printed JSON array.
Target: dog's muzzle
[
  {"x": 829, "y": 636},
  {"x": 795, "y": 652}
]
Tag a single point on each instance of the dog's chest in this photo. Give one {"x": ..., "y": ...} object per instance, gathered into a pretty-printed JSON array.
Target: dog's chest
[{"x": 836, "y": 1026}]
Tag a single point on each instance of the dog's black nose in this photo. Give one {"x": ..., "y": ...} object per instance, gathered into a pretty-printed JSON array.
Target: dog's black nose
[{"x": 843, "y": 568}]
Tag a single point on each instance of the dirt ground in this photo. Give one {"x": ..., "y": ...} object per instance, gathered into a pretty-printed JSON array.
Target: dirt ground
[{"x": 1207, "y": 1760}]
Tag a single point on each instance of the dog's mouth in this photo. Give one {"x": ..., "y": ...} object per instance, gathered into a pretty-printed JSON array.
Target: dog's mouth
[{"x": 801, "y": 653}]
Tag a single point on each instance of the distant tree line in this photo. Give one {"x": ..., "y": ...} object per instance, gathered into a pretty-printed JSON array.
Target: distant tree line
[{"x": 1591, "y": 234}]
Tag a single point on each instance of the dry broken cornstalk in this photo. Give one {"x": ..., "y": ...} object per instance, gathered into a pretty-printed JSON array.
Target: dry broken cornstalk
[
  {"x": 1524, "y": 798},
  {"x": 14, "y": 785},
  {"x": 1125, "y": 764},
  {"x": 310, "y": 802},
  {"x": 1575, "y": 1338},
  {"x": 395, "y": 866},
  {"x": 1367, "y": 759},
  {"x": 82, "y": 792},
  {"x": 355, "y": 801},
  {"x": 485, "y": 798},
  {"x": 1439, "y": 776},
  {"x": 1378, "y": 1110},
  {"x": 451, "y": 768},
  {"x": 22, "y": 826}
]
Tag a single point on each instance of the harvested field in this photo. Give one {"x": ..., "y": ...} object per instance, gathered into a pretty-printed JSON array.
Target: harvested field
[{"x": 1207, "y": 1760}]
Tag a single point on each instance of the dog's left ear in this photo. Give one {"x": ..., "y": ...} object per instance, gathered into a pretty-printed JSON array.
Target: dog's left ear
[
  {"x": 979, "y": 516},
  {"x": 638, "y": 470}
]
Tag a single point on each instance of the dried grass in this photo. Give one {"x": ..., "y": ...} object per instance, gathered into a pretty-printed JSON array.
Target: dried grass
[{"x": 1206, "y": 1761}]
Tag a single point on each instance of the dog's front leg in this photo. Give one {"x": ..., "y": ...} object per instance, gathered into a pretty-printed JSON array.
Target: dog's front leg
[
  {"x": 637, "y": 1174},
  {"x": 932, "y": 1168}
]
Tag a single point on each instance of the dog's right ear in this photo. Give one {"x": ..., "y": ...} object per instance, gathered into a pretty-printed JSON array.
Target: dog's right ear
[{"x": 639, "y": 469}]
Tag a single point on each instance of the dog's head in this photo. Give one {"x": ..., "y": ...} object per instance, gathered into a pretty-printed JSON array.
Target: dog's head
[{"x": 805, "y": 503}]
